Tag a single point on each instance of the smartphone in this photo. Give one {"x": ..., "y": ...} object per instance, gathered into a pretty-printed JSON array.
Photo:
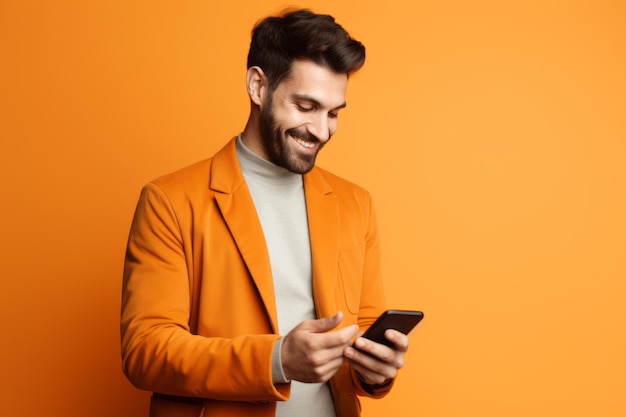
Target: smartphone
[{"x": 402, "y": 320}]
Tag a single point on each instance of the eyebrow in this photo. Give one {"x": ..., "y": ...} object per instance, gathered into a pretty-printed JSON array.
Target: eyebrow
[{"x": 304, "y": 97}]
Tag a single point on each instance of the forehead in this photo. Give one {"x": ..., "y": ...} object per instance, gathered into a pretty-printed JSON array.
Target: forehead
[{"x": 315, "y": 81}]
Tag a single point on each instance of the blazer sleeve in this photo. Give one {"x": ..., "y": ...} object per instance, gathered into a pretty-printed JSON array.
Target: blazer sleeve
[{"x": 159, "y": 352}]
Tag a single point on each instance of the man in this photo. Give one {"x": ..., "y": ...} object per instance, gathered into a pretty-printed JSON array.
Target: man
[{"x": 248, "y": 275}]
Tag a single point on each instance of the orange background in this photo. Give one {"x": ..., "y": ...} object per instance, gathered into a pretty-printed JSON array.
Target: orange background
[{"x": 491, "y": 134}]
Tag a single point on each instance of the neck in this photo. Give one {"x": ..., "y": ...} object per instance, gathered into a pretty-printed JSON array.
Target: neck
[{"x": 251, "y": 135}]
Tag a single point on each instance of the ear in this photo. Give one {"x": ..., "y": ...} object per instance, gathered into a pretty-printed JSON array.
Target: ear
[{"x": 257, "y": 85}]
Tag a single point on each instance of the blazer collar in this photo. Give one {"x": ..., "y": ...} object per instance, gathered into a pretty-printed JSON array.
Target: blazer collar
[
  {"x": 323, "y": 215},
  {"x": 237, "y": 207}
]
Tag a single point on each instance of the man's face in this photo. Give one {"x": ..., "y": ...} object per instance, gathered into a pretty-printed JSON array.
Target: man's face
[{"x": 300, "y": 116}]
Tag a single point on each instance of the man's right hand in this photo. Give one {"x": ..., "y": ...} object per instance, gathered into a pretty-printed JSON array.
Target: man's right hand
[{"x": 312, "y": 353}]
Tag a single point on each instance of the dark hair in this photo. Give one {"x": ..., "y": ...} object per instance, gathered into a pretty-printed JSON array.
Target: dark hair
[{"x": 302, "y": 34}]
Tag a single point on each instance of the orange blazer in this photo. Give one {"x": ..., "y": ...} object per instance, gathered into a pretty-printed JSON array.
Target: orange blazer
[{"x": 198, "y": 320}]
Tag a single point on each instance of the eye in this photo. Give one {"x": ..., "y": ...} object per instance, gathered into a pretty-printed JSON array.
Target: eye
[
  {"x": 333, "y": 115},
  {"x": 305, "y": 107}
]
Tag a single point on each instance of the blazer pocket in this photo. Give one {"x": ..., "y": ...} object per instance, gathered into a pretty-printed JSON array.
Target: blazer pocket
[{"x": 351, "y": 276}]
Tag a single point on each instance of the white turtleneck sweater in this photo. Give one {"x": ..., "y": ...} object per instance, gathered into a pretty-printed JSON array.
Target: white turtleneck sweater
[{"x": 278, "y": 196}]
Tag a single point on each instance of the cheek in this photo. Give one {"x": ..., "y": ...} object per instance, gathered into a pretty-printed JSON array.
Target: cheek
[{"x": 290, "y": 120}]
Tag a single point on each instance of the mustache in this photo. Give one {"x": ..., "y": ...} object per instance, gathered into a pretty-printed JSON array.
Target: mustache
[{"x": 302, "y": 134}]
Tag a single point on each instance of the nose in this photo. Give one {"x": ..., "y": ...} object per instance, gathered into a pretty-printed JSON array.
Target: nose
[{"x": 322, "y": 126}]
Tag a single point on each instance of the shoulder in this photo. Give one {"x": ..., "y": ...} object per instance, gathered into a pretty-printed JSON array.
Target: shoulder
[
  {"x": 218, "y": 173},
  {"x": 177, "y": 191},
  {"x": 190, "y": 177}
]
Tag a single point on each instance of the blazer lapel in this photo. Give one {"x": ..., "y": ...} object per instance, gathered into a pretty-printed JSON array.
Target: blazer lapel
[
  {"x": 237, "y": 207},
  {"x": 323, "y": 215}
]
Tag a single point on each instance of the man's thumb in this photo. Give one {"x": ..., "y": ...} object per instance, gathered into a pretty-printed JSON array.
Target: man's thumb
[{"x": 326, "y": 324}]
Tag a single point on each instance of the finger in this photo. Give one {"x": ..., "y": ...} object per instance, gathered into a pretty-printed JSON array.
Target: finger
[
  {"x": 346, "y": 335},
  {"x": 377, "y": 352},
  {"x": 399, "y": 340},
  {"x": 333, "y": 343},
  {"x": 322, "y": 325},
  {"x": 372, "y": 370},
  {"x": 329, "y": 369}
]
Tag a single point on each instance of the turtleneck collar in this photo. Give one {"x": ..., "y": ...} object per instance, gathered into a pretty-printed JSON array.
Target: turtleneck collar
[{"x": 256, "y": 168}]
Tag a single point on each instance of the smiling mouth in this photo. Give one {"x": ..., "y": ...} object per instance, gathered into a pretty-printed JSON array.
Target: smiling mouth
[{"x": 304, "y": 143}]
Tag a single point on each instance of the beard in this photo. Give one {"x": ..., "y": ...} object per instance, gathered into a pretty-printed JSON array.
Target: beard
[{"x": 276, "y": 143}]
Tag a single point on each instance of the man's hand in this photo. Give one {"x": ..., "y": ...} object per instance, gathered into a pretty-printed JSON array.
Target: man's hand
[
  {"x": 380, "y": 363},
  {"x": 312, "y": 353}
]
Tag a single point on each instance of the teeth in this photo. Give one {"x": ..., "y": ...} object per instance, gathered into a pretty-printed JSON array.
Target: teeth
[{"x": 304, "y": 143}]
